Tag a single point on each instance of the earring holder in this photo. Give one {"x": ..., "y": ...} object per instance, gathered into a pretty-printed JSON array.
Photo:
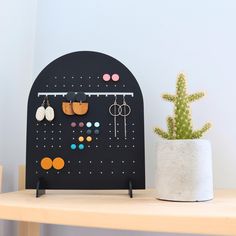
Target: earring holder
[{"x": 103, "y": 162}]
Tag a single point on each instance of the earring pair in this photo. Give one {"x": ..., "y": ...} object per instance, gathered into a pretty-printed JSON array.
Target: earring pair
[
  {"x": 43, "y": 112},
  {"x": 75, "y": 104},
  {"x": 123, "y": 110},
  {"x": 114, "y": 77}
]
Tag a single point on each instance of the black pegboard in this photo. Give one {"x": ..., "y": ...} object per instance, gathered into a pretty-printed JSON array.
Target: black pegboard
[{"x": 107, "y": 162}]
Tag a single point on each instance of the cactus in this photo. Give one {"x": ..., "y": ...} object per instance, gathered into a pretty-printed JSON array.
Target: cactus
[{"x": 180, "y": 126}]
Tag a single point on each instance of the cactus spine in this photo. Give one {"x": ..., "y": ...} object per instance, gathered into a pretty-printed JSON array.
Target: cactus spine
[{"x": 180, "y": 126}]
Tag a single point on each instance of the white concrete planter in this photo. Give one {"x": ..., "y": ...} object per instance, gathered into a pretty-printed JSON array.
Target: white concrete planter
[{"x": 184, "y": 170}]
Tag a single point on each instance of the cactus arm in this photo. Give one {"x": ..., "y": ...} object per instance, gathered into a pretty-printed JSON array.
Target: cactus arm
[
  {"x": 171, "y": 127},
  {"x": 200, "y": 132},
  {"x": 195, "y": 96},
  {"x": 169, "y": 97},
  {"x": 162, "y": 133}
]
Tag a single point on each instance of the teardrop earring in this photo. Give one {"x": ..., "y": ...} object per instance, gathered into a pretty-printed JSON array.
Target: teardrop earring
[
  {"x": 49, "y": 111},
  {"x": 80, "y": 107},
  {"x": 40, "y": 112},
  {"x": 67, "y": 106}
]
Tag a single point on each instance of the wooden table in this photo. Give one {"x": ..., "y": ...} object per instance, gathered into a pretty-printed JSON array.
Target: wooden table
[{"x": 115, "y": 210}]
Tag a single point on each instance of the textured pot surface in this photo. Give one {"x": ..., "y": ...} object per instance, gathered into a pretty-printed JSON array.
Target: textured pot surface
[{"x": 184, "y": 170}]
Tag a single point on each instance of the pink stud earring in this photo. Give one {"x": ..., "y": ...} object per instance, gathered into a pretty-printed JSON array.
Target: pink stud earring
[
  {"x": 106, "y": 77},
  {"x": 115, "y": 77}
]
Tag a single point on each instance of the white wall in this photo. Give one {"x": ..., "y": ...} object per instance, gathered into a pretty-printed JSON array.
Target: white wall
[
  {"x": 17, "y": 37},
  {"x": 155, "y": 39}
]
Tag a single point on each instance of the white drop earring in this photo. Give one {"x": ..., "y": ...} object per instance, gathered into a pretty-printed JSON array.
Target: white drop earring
[
  {"x": 49, "y": 111},
  {"x": 40, "y": 112}
]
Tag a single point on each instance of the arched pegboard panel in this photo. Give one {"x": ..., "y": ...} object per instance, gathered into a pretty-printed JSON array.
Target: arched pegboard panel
[{"x": 96, "y": 150}]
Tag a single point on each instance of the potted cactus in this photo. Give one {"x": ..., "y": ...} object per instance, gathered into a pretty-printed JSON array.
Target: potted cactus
[{"x": 184, "y": 162}]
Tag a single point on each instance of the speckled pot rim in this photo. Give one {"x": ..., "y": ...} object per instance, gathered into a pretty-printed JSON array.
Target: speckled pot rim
[{"x": 182, "y": 140}]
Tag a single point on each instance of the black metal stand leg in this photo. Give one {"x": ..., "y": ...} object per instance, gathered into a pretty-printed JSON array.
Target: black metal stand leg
[
  {"x": 39, "y": 190},
  {"x": 130, "y": 189}
]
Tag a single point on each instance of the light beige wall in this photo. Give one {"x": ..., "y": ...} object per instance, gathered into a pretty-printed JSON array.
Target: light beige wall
[{"x": 17, "y": 37}]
